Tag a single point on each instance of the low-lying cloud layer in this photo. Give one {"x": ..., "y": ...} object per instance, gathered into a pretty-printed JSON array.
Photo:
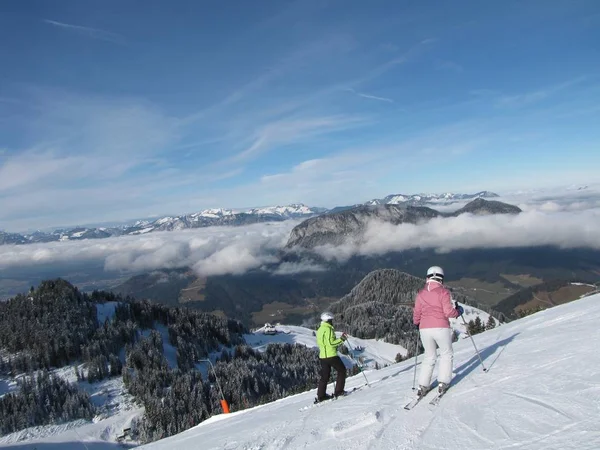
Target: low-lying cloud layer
[
  {"x": 563, "y": 222},
  {"x": 209, "y": 251},
  {"x": 528, "y": 229}
]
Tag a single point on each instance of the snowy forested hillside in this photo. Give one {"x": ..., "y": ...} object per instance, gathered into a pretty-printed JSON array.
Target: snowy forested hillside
[
  {"x": 116, "y": 409},
  {"x": 541, "y": 391}
]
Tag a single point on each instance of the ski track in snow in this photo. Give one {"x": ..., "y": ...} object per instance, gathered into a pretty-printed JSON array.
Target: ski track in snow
[{"x": 542, "y": 391}]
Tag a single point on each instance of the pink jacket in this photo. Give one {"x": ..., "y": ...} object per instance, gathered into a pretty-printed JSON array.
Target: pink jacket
[{"x": 433, "y": 306}]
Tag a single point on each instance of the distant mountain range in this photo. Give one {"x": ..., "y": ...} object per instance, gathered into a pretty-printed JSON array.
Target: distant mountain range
[
  {"x": 429, "y": 199},
  {"x": 206, "y": 218},
  {"x": 229, "y": 217}
]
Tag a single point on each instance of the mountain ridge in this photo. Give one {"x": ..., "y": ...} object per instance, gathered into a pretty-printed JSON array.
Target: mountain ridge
[
  {"x": 224, "y": 217},
  {"x": 447, "y": 198},
  {"x": 201, "y": 219},
  {"x": 335, "y": 228}
]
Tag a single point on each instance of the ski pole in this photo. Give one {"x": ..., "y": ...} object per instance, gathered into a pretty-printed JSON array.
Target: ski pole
[
  {"x": 472, "y": 340},
  {"x": 358, "y": 362},
  {"x": 416, "y": 352}
]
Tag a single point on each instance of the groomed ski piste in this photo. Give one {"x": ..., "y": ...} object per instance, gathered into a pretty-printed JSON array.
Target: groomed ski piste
[{"x": 541, "y": 391}]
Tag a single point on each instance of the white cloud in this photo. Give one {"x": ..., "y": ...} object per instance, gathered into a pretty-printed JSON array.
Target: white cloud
[
  {"x": 558, "y": 198},
  {"x": 356, "y": 173},
  {"x": 449, "y": 66},
  {"x": 285, "y": 132},
  {"x": 32, "y": 167},
  {"x": 236, "y": 259},
  {"x": 372, "y": 97},
  {"x": 85, "y": 138},
  {"x": 93, "y": 33},
  {"x": 291, "y": 268},
  {"x": 528, "y": 229},
  {"x": 210, "y": 251},
  {"x": 567, "y": 221},
  {"x": 524, "y": 99},
  {"x": 84, "y": 150}
]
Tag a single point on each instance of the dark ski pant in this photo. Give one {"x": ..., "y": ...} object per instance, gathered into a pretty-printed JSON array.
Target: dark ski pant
[{"x": 326, "y": 365}]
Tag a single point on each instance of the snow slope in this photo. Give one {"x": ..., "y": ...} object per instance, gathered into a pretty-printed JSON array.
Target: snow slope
[
  {"x": 116, "y": 410},
  {"x": 76, "y": 435},
  {"x": 542, "y": 391},
  {"x": 366, "y": 351}
]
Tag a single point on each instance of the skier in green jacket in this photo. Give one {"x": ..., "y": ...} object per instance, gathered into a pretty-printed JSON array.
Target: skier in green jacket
[{"x": 329, "y": 358}]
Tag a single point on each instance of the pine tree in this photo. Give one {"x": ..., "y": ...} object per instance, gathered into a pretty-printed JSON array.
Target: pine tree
[
  {"x": 400, "y": 357},
  {"x": 491, "y": 323},
  {"x": 475, "y": 326}
]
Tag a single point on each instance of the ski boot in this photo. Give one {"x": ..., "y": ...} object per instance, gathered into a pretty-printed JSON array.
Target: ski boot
[
  {"x": 341, "y": 394},
  {"x": 422, "y": 391},
  {"x": 327, "y": 397}
]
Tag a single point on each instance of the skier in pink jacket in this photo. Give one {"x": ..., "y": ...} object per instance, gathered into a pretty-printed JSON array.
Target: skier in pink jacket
[{"x": 433, "y": 308}]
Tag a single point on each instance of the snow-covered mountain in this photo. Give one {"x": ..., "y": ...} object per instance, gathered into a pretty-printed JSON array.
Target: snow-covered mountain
[
  {"x": 429, "y": 199},
  {"x": 540, "y": 391},
  {"x": 221, "y": 217},
  {"x": 118, "y": 410},
  {"x": 293, "y": 211},
  {"x": 11, "y": 238},
  {"x": 205, "y": 218}
]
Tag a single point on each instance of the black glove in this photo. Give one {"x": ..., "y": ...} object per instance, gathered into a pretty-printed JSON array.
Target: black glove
[{"x": 459, "y": 308}]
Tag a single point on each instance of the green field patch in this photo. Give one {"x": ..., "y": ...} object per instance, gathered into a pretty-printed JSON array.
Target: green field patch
[
  {"x": 482, "y": 291},
  {"x": 524, "y": 280},
  {"x": 282, "y": 312},
  {"x": 545, "y": 299},
  {"x": 194, "y": 292}
]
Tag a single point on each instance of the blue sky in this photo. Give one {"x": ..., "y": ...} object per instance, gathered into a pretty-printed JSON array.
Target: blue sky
[{"x": 116, "y": 110}]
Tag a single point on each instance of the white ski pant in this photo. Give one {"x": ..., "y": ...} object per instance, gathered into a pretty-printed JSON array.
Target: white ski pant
[{"x": 432, "y": 338}]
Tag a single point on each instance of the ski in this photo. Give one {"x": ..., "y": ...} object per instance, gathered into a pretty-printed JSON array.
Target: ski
[
  {"x": 320, "y": 403},
  {"x": 415, "y": 401},
  {"x": 412, "y": 403},
  {"x": 436, "y": 400}
]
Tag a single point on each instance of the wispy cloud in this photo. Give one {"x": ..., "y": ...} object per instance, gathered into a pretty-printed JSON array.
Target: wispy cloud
[
  {"x": 527, "y": 98},
  {"x": 285, "y": 132},
  {"x": 93, "y": 33},
  {"x": 354, "y": 173},
  {"x": 450, "y": 66},
  {"x": 313, "y": 53},
  {"x": 389, "y": 47},
  {"x": 292, "y": 268},
  {"x": 81, "y": 145},
  {"x": 372, "y": 97}
]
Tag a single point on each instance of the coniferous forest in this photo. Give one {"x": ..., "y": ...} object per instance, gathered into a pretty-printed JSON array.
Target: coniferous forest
[{"x": 56, "y": 325}]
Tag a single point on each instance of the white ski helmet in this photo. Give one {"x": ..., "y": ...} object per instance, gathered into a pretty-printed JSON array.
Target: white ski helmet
[
  {"x": 435, "y": 273},
  {"x": 326, "y": 316}
]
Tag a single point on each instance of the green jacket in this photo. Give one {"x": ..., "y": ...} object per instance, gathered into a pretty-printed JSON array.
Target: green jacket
[{"x": 327, "y": 341}]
